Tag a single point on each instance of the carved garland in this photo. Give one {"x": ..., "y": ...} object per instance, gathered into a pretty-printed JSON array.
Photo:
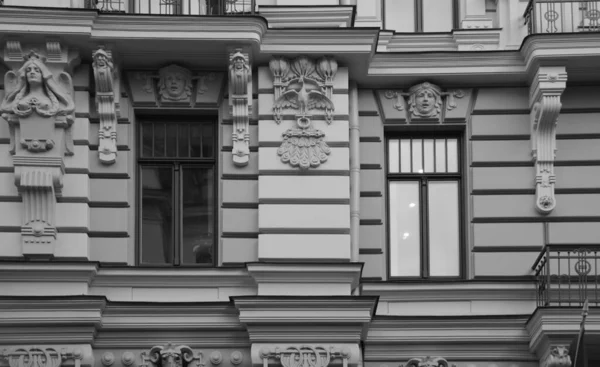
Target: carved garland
[
  {"x": 425, "y": 100},
  {"x": 305, "y": 356},
  {"x": 303, "y": 85},
  {"x": 240, "y": 105},
  {"x": 545, "y": 93},
  {"x": 107, "y": 103}
]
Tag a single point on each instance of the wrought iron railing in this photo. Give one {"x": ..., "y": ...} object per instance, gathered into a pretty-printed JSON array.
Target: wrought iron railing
[
  {"x": 562, "y": 16},
  {"x": 567, "y": 276},
  {"x": 175, "y": 7}
]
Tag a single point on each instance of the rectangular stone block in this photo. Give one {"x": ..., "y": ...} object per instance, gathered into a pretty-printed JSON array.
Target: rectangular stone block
[
  {"x": 366, "y": 101},
  {"x": 80, "y": 158},
  {"x": 578, "y": 150},
  {"x": 231, "y": 169},
  {"x": 303, "y": 216},
  {"x": 304, "y": 187},
  {"x": 372, "y": 208},
  {"x": 575, "y": 177},
  {"x": 120, "y": 167},
  {"x": 503, "y": 178},
  {"x": 338, "y": 160},
  {"x": 502, "y": 99},
  {"x": 72, "y": 246},
  {"x": 271, "y": 132},
  {"x": 11, "y": 244},
  {"x": 76, "y": 185},
  {"x": 7, "y": 184},
  {"x": 372, "y": 180},
  {"x": 372, "y": 237},
  {"x": 109, "y": 190},
  {"x": 81, "y": 130},
  {"x": 239, "y": 250},
  {"x": 503, "y": 263},
  {"x": 109, "y": 220},
  {"x": 82, "y": 102},
  {"x": 501, "y": 151},
  {"x": 73, "y": 215},
  {"x": 240, "y": 220},
  {"x": 81, "y": 76},
  {"x": 371, "y": 153},
  {"x": 371, "y": 127},
  {"x": 573, "y": 233},
  {"x": 578, "y": 123},
  {"x": 240, "y": 191},
  {"x": 579, "y": 97},
  {"x": 500, "y": 125},
  {"x": 5, "y": 157},
  {"x": 303, "y": 247},
  {"x": 176, "y": 294},
  {"x": 112, "y": 250},
  {"x": 435, "y": 308},
  {"x": 11, "y": 214},
  {"x": 508, "y": 235},
  {"x": 517, "y": 206},
  {"x": 375, "y": 265},
  {"x": 4, "y": 130}
]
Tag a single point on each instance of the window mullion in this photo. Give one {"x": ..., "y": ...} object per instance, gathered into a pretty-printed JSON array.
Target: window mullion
[
  {"x": 424, "y": 229},
  {"x": 177, "y": 221}
]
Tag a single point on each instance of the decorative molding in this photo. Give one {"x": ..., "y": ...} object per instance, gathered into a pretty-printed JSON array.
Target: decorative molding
[
  {"x": 41, "y": 356},
  {"x": 240, "y": 105},
  {"x": 39, "y": 108},
  {"x": 303, "y": 85},
  {"x": 107, "y": 359},
  {"x": 216, "y": 358},
  {"x": 106, "y": 76},
  {"x": 559, "y": 357},
  {"x": 172, "y": 356},
  {"x": 425, "y": 101},
  {"x": 305, "y": 355},
  {"x": 236, "y": 358},
  {"x": 128, "y": 359},
  {"x": 428, "y": 362},
  {"x": 544, "y": 99}
]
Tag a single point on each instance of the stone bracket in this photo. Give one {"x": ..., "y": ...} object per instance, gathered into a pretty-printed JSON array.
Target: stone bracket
[
  {"x": 544, "y": 99},
  {"x": 240, "y": 104},
  {"x": 106, "y": 77}
]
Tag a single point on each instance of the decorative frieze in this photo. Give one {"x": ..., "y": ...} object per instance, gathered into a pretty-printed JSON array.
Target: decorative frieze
[
  {"x": 106, "y": 76},
  {"x": 559, "y": 357},
  {"x": 42, "y": 357},
  {"x": 544, "y": 99},
  {"x": 426, "y": 102},
  {"x": 240, "y": 105},
  {"x": 172, "y": 356},
  {"x": 428, "y": 362},
  {"x": 304, "y": 355},
  {"x": 303, "y": 85},
  {"x": 39, "y": 108}
]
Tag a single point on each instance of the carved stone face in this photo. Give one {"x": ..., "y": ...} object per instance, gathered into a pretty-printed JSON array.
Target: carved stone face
[
  {"x": 34, "y": 74},
  {"x": 101, "y": 61},
  {"x": 238, "y": 63},
  {"x": 175, "y": 84},
  {"x": 425, "y": 101}
]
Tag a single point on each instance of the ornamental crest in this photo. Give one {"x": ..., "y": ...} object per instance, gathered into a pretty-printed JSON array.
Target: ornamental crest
[
  {"x": 172, "y": 356},
  {"x": 425, "y": 101},
  {"x": 304, "y": 86}
]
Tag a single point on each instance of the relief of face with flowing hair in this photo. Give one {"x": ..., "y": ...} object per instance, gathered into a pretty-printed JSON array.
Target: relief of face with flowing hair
[
  {"x": 425, "y": 100},
  {"x": 175, "y": 83}
]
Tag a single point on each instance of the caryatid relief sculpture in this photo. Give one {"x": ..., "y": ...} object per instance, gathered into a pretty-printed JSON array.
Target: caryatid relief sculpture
[
  {"x": 172, "y": 356},
  {"x": 174, "y": 84},
  {"x": 303, "y": 85},
  {"x": 107, "y": 103},
  {"x": 425, "y": 101},
  {"x": 41, "y": 108},
  {"x": 240, "y": 105}
]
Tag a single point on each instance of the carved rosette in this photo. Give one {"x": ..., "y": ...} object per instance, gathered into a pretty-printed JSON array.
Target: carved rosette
[
  {"x": 106, "y": 77},
  {"x": 172, "y": 356},
  {"x": 305, "y": 355},
  {"x": 559, "y": 357},
  {"x": 240, "y": 105},
  {"x": 39, "y": 108},
  {"x": 303, "y": 85},
  {"x": 426, "y": 101},
  {"x": 545, "y": 92}
]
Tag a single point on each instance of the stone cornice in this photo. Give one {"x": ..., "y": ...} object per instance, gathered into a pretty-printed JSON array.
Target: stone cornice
[
  {"x": 307, "y": 16},
  {"x": 319, "y": 41},
  {"x": 48, "y": 272},
  {"x": 306, "y": 273}
]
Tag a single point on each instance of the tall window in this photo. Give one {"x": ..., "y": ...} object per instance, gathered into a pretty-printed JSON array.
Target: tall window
[
  {"x": 177, "y": 180},
  {"x": 424, "y": 182},
  {"x": 420, "y": 15}
]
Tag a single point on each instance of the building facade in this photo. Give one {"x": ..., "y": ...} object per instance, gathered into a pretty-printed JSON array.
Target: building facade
[{"x": 315, "y": 183}]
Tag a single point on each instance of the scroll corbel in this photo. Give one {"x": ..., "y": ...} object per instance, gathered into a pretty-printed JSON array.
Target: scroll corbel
[
  {"x": 106, "y": 77},
  {"x": 546, "y": 89},
  {"x": 240, "y": 105}
]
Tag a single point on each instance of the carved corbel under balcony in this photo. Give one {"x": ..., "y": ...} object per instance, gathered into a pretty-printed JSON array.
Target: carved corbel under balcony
[
  {"x": 172, "y": 356},
  {"x": 559, "y": 357},
  {"x": 106, "y": 76},
  {"x": 240, "y": 105},
  {"x": 544, "y": 99},
  {"x": 39, "y": 108}
]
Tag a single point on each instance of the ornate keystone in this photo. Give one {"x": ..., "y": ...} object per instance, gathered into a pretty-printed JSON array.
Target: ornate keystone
[
  {"x": 171, "y": 356},
  {"x": 425, "y": 101},
  {"x": 559, "y": 357},
  {"x": 303, "y": 85},
  {"x": 107, "y": 81},
  {"x": 544, "y": 99},
  {"x": 39, "y": 105},
  {"x": 240, "y": 105}
]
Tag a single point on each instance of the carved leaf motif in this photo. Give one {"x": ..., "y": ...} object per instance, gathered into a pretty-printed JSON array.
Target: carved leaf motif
[
  {"x": 303, "y": 66},
  {"x": 303, "y": 148}
]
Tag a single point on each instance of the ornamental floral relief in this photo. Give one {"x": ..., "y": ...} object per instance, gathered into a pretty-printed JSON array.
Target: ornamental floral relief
[
  {"x": 424, "y": 101},
  {"x": 303, "y": 85}
]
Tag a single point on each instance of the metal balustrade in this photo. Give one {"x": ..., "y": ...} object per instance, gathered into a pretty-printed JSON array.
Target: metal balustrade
[
  {"x": 567, "y": 276},
  {"x": 175, "y": 7},
  {"x": 562, "y": 16}
]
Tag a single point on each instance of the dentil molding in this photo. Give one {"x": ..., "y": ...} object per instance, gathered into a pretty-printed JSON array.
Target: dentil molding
[
  {"x": 106, "y": 76},
  {"x": 240, "y": 105},
  {"x": 544, "y": 99}
]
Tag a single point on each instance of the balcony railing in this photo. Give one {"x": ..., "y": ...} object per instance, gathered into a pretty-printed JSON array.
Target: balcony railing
[
  {"x": 562, "y": 16},
  {"x": 567, "y": 276},
  {"x": 175, "y": 7}
]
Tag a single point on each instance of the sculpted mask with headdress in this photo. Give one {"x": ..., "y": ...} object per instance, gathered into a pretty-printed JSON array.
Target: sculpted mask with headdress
[
  {"x": 425, "y": 100},
  {"x": 175, "y": 83}
]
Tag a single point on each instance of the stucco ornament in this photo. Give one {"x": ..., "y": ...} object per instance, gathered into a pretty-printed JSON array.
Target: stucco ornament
[
  {"x": 174, "y": 84},
  {"x": 559, "y": 357},
  {"x": 106, "y": 77},
  {"x": 544, "y": 98},
  {"x": 305, "y": 355},
  {"x": 39, "y": 108},
  {"x": 172, "y": 356},
  {"x": 425, "y": 100},
  {"x": 428, "y": 362},
  {"x": 41, "y": 357},
  {"x": 240, "y": 105},
  {"x": 303, "y": 85}
]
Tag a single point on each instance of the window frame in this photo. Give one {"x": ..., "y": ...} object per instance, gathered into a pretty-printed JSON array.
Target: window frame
[
  {"x": 177, "y": 200},
  {"x": 418, "y": 17},
  {"x": 423, "y": 181}
]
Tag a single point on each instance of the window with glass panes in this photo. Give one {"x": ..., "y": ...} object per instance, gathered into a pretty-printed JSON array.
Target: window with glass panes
[
  {"x": 177, "y": 192},
  {"x": 420, "y": 15},
  {"x": 424, "y": 209}
]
